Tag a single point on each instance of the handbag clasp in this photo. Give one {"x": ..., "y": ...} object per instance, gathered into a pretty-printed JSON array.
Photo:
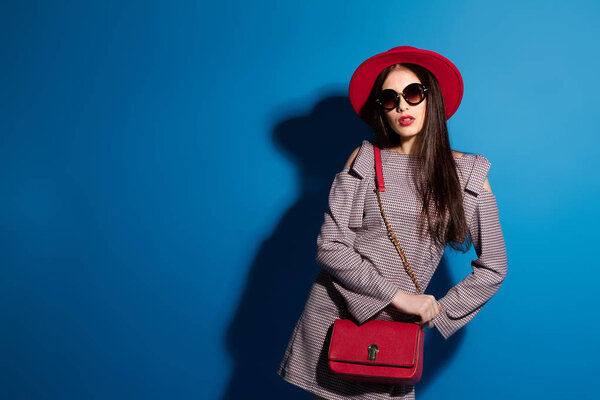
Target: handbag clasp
[{"x": 373, "y": 349}]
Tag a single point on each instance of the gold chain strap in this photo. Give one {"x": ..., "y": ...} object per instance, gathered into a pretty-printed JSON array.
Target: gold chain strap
[{"x": 392, "y": 236}]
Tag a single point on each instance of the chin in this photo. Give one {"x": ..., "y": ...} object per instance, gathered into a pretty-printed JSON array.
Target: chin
[{"x": 410, "y": 133}]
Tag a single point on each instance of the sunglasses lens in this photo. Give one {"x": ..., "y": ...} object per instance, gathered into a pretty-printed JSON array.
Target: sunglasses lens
[
  {"x": 414, "y": 93},
  {"x": 387, "y": 99}
]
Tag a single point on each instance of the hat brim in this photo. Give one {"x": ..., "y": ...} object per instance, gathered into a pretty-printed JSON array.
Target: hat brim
[{"x": 446, "y": 73}]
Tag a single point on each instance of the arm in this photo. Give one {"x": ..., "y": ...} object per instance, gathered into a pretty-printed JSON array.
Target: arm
[
  {"x": 465, "y": 300},
  {"x": 364, "y": 290}
]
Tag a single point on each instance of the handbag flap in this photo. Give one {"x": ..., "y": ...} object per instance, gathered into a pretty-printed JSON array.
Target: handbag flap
[{"x": 396, "y": 343}]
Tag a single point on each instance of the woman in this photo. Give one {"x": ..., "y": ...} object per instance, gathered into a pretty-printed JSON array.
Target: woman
[{"x": 434, "y": 197}]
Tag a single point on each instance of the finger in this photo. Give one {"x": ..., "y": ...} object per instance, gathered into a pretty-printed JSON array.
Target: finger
[
  {"x": 414, "y": 318},
  {"x": 432, "y": 314}
]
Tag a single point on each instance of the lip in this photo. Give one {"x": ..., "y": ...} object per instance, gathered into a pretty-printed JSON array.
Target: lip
[{"x": 406, "y": 123}]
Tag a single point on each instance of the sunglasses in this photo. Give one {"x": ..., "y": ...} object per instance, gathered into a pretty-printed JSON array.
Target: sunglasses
[{"x": 389, "y": 99}]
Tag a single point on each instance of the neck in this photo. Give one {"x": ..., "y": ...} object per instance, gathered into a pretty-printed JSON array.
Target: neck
[{"x": 405, "y": 147}]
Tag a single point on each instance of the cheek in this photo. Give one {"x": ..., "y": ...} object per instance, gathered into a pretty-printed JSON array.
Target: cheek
[
  {"x": 389, "y": 118},
  {"x": 422, "y": 112}
]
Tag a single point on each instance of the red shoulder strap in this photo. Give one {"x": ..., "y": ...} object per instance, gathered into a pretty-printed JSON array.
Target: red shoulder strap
[{"x": 378, "y": 169}]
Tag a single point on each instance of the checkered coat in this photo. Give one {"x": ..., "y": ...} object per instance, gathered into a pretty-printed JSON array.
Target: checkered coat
[{"x": 361, "y": 270}]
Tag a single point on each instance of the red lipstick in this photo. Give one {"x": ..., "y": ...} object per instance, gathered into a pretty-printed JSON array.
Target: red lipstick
[{"x": 406, "y": 120}]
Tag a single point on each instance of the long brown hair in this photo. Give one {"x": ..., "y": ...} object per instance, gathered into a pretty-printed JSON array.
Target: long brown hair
[{"x": 437, "y": 179}]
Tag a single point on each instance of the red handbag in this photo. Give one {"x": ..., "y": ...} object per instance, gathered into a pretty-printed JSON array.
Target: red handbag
[{"x": 378, "y": 351}]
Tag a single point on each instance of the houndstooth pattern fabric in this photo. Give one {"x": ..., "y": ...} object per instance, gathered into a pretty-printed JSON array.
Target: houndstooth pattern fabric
[{"x": 361, "y": 270}]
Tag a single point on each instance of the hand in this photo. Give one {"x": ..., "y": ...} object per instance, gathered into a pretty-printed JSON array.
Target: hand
[
  {"x": 428, "y": 324},
  {"x": 423, "y": 306}
]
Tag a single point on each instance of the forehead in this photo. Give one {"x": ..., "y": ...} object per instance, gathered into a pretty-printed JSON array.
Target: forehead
[{"x": 398, "y": 78}]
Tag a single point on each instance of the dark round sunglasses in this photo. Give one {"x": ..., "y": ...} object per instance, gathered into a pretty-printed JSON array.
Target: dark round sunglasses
[{"x": 389, "y": 99}]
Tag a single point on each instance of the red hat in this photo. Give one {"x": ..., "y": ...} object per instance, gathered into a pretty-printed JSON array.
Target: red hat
[{"x": 446, "y": 73}]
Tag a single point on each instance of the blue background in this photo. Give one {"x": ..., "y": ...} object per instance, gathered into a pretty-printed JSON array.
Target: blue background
[{"x": 165, "y": 169}]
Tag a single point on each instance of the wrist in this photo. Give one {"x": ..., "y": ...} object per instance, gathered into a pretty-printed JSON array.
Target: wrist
[{"x": 399, "y": 299}]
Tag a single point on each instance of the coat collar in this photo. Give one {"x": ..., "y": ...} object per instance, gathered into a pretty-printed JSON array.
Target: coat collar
[
  {"x": 479, "y": 172},
  {"x": 364, "y": 163}
]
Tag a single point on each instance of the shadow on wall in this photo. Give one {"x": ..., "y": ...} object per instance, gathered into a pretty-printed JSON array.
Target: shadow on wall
[{"x": 284, "y": 269}]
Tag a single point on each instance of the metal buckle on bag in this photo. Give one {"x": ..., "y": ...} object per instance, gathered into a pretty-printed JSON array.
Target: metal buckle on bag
[{"x": 373, "y": 350}]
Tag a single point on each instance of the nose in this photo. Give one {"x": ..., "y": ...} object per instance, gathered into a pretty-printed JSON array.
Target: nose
[{"x": 402, "y": 104}]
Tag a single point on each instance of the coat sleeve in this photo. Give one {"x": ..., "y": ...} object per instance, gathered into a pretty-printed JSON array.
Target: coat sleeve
[
  {"x": 465, "y": 300},
  {"x": 365, "y": 291}
]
